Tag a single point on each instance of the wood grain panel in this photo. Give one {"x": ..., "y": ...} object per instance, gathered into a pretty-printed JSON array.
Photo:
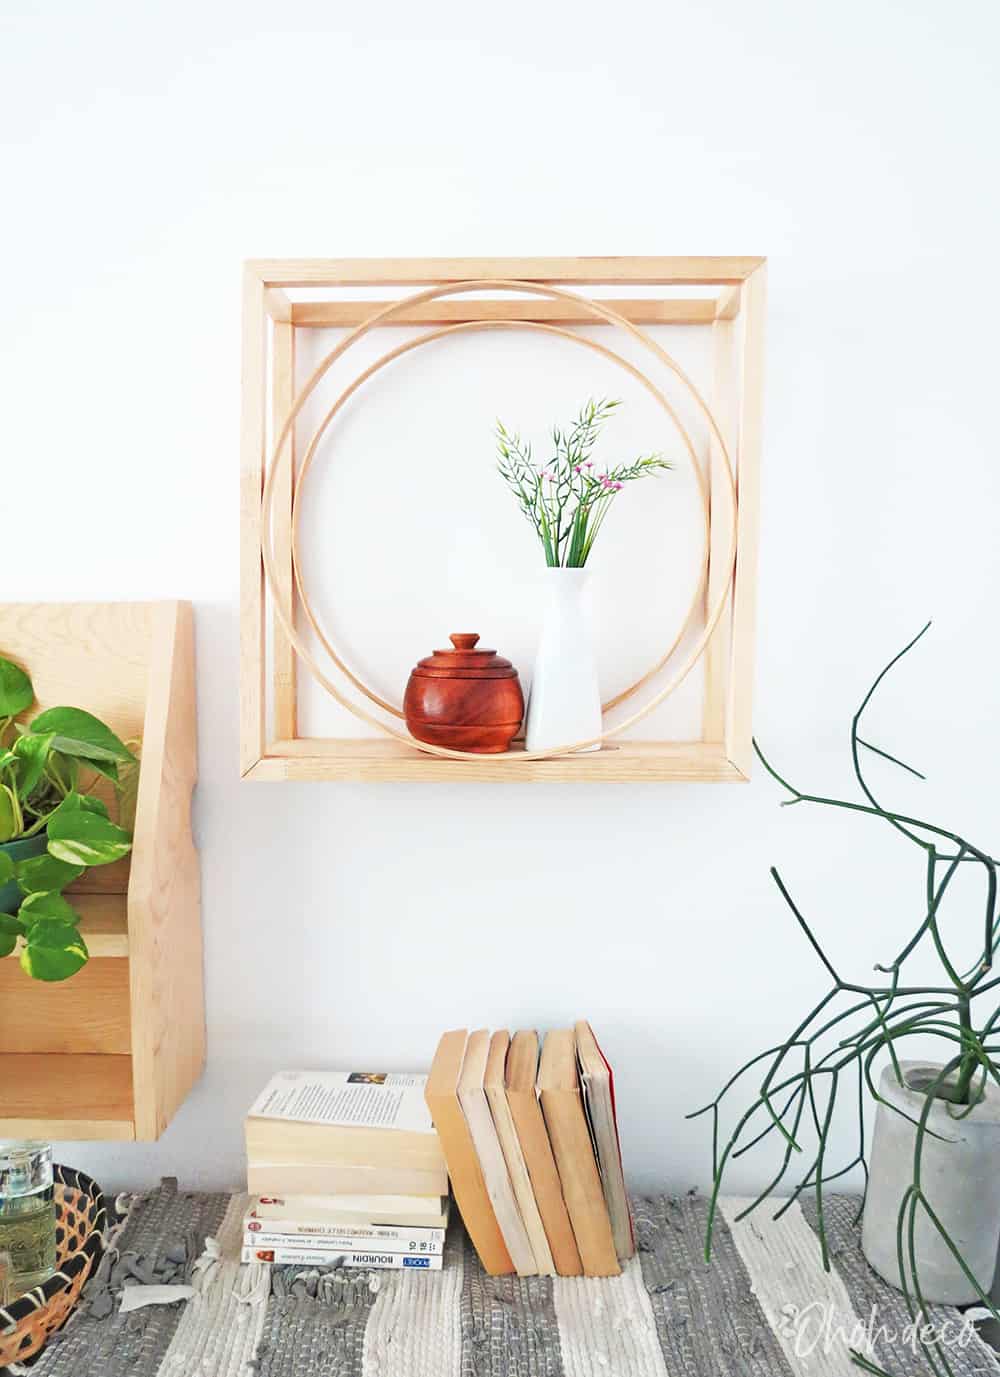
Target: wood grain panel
[
  {"x": 103, "y": 922},
  {"x": 450, "y": 311},
  {"x": 252, "y": 437},
  {"x": 385, "y": 760},
  {"x": 66, "y": 1097},
  {"x": 724, "y": 397},
  {"x": 371, "y": 272},
  {"x": 84, "y": 655},
  {"x": 285, "y": 667},
  {"x": 164, "y": 900},
  {"x": 87, "y": 1013},
  {"x": 739, "y": 730}
]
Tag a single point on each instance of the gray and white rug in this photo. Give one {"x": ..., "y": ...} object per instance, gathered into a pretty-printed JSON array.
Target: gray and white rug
[{"x": 763, "y": 1307}]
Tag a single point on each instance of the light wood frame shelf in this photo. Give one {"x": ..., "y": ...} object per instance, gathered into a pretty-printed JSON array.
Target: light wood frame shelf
[
  {"x": 727, "y": 297},
  {"x": 112, "y": 1052}
]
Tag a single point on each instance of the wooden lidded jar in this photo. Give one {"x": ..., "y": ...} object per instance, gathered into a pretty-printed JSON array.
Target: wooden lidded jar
[{"x": 465, "y": 699}]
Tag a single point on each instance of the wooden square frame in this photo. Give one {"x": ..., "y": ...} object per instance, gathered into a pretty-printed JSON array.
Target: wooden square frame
[{"x": 271, "y": 318}]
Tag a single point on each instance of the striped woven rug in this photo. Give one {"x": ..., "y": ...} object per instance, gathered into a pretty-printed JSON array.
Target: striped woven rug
[{"x": 763, "y": 1307}]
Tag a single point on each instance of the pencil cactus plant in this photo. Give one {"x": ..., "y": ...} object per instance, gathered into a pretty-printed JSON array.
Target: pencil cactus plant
[{"x": 831, "y": 1051}]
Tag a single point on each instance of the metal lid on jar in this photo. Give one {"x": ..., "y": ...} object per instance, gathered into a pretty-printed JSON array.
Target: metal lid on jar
[{"x": 464, "y": 661}]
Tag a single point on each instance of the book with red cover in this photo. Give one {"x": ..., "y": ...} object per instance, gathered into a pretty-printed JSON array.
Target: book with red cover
[{"x": 598, "y": 1084}]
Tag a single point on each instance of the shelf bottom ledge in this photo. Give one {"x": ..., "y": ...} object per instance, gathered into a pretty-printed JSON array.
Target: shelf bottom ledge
[
  {"x": 386, "y": 760},
  {"x": 66, "y": 1097}
]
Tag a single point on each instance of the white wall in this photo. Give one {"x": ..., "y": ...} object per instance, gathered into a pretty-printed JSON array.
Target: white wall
[{"x": 151, "y": 148}]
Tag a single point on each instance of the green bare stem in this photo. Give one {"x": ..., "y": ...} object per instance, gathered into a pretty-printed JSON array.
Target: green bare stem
[
  {"x": 805, "y": 1071},
  {"x": 566, "y": 500}
]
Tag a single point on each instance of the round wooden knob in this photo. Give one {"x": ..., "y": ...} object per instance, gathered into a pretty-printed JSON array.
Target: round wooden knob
[{"x": 464, "y": 640}]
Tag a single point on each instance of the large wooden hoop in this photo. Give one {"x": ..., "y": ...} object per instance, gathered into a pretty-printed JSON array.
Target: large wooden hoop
[
  {"x": 274, "y": 467},
  {"x": 478, "y": 325}
]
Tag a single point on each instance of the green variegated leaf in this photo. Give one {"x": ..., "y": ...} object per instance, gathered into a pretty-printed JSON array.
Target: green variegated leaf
[
  {"x": 128, "y": 793},
  {"x": 6, "y": 869},
  {"x": 11, "y": 926},
  {"x": 31, "y": 752},
  {"x": 53, "y": 933},
  {"x": 80, "y": 835},
  {"x": 16, "y": 692},
  {"x": 80, "y": 733},
  {"x": 87, "y": 803},
  {"x": 65, "y": 767},
  {"x": 44, "y": 874},
  {"x": 10, "y": 814},
  {"x": 11, "y": 929},
  {"x": 46, "y": 907},
  {"x": 53, "y": 951},
  {"x": 107, "y": 768}
]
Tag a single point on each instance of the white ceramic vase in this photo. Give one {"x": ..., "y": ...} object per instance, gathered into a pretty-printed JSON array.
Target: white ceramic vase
[
  {"x": 564, "y": 704},
  {"x": 959, "y": 1174}
]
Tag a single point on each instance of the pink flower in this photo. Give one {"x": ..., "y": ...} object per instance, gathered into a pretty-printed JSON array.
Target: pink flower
[{"x": 618, "y": 486}]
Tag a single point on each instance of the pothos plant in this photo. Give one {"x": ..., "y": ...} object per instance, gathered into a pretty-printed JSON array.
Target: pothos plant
[
  {"x": 567, "y": 498},
  {"x": 47, "y": 768},
  {"x": 796, "y": 1086}
]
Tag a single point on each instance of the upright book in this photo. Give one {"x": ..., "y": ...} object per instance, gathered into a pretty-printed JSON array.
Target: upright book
[
  {"x": 599, "y": 1103},
  {"x": 522, "y": 1097},
  {"x": 472, "y": 1097},
  {"x": 468, "y": 1185},
  {"x": 559, "y": 1090},
  {"x": 494, "y": 1083}
]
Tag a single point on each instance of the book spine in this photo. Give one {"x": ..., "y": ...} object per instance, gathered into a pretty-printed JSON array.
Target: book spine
[
  {"x": 304, "y": 1257},
  {"x": 398, "y": 1233},
  {"x": 338, "y": 1243}
]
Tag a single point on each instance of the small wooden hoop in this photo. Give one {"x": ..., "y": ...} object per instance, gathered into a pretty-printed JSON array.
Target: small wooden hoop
[
  {"x": 274, "y": 467},
  {"x": 443, "y": 332}
]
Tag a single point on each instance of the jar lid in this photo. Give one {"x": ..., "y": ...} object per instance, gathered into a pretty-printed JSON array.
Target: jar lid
[{"x": 464, "y": 661}]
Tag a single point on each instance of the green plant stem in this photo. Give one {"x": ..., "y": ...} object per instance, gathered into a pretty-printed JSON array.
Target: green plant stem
[
  {"x": 564, "y": 502},
  {"x": 804, "y": 1073},
  {"x": 871, "y": 811},
  {"x": 969, "y": 1062}
]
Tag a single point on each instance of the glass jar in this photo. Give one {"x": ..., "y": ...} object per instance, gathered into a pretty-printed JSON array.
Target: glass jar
[{"x": 27, "y": 1215}]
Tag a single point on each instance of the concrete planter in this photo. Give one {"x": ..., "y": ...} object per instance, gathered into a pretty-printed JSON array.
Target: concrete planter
[{"x": 960, "y": 1177}]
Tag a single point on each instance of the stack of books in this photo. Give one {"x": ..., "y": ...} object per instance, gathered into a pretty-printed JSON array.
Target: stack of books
[
  {"x": 345, "y": 1168},
  {"x": 531, "y": 1142}
]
